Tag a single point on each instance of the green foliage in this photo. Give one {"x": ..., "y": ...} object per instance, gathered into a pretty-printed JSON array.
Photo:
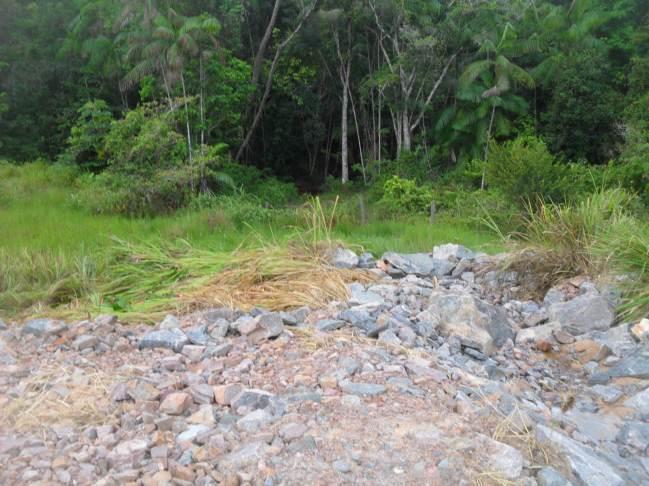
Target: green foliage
[
  {"x": 524, "y": 170},
  {"x": 88, "y": 135},
  {"x": 405, "y": 196},
  {"x": 632, "y": 170},
  {"x": 268, "y": 189},
  {"x": 583, "y": 111}
]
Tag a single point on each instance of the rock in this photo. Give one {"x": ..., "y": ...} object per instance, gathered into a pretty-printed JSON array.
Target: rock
[
  {"x": 586, "y": 465},
  {"x": 198, "y": 335},
  {"x": 635, "y": 365},
  {"x": 641, "y": 330},
  {"x": 327, "y": 325},
  {"x": 341, "y": 466},
  {"x": 193, "y": 353},
  {"x": 252, "y": 399},
  {"x": 553, "y": 296},
  {"x": 451, "y": 251},
  {"x": 585, "y": 313},
  {"x": 247, "y": 455},
  {"x": 366, "y": 260},
  {"x": 364, "y": 389},
  {"x": 202, "y": 393},
  {"x": 502, "y": 458},
  {"x": 639, "y": 401},
  {"x": 358, "y": 317},
  {"x": 176, "y": 403},
  {"x": 548, "y": 476},
  {"x": 169, "y": 322},
  {"x": 143, "y": 392},
  {"x": 534, "y": 334},
  {"x": 288, "y": 319},
  {"x": 129, "y": 453},
  {"x": 193, "y": 432},
  {"x": 263, "y": 327},
  {"x": 106, "y": 320},
  {"x": 44, "y": 327},
  {"x": 3, "y": 326},
  {"x": 219, "y": 350},
  {"x": 292, "y": 431},
  {"x": 85, "y": 341},
  {"x": 173, "y": 339},
  {"x": 360, "y": 296},
  {"x": 306, "y": 443},
  {"x": 610, "y": 394},
  {"x": 478, "y": 324},
  {"x": 343, "y": 258},
  {"x": 224, "y": 394},
  {"x": 635, "y": 435},
  {"x": 255, "y": 420},
  {"x": 420, "y": 264},
  {"x": 536, "y": 318},
  {"x": 562, "y": 337},
  {"x": 389, "y": 337},
  {"x": 219, "y": 328}
]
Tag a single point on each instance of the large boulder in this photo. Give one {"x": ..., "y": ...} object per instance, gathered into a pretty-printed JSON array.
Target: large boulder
[
  {"x": 265, "y": 326},
  {"x": 44, "y": 327},
  {"x": 585, "y": 313},
  {"x": 343, "y": 258},
  {"x": 478, "y": 324},
  {"x": 420, "y": 264},
  {"x": 173, "y": 339},
  {"x": 451, "y": 251}
]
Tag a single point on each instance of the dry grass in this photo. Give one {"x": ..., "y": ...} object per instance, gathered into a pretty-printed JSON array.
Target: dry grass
[
  {"x": 60, "y": 397},
  {"x": 276, "y": 278}
]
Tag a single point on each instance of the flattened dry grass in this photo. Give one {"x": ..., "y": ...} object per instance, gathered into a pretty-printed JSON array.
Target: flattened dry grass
[{"x": 58, "y": 396}]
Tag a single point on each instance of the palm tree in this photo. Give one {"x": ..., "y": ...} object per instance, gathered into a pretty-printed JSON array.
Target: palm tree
[{"x": 486, "y": 84}]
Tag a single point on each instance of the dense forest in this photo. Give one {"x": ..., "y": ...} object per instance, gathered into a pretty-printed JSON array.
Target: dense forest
[{"x": 185, "y": 97}]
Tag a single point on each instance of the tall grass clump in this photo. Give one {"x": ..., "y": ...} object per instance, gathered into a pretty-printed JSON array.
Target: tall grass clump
[{"x": 559, "y": 241}]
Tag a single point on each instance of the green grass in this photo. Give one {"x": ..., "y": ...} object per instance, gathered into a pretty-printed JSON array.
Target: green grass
[{"x": 53, "y": 252}]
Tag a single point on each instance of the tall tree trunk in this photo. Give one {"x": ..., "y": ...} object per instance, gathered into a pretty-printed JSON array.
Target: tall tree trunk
[
  {"x": 344, "y": 148},
  {"x": 263, "y": 45},
  {"x": 269, "y": 80},
  {"x": 407, "y": 136},
  {"x": 189, "y": 133},
  {"x": 486, "y": 147}
]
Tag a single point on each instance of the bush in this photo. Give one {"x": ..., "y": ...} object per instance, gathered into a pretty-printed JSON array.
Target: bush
[
  {"x": 88, "y": 135},
  {"x": 261, "y": 184},
  {"x": 404, "y": 196},
  {"x": 632, "y": 171},
  {"x": 524, "y": 170}
]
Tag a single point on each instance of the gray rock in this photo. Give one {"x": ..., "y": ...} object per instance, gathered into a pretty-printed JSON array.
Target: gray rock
[
  {"x": 3, "y": 326},
  {"x": 170, "y": 322},
  {"x": 639, "y": 401},
  {"x": 106, "y": 320},
  {"x": 247, "y": 455},
  {"x": 360, "y": 296},
  {"x": 452, "y": 251},
  {"x": 6, "y": 357},
  {"x": 219, "y": 328},
  {"x": 193, "y": 432},
  {"x": 306, "y": 443},
  {"x": 343, "y": 258},
  {"x": 618, "y": 339},
  {"x": 635, "y": 365},
  {"x": 597, "y": 427},
  {"x": 255, "y": 420},
  {"x": 252, "y": 399},
  {"x": 366, "y": 260},
  {"x": 219, "y": 350},
  {"x": 358, "y": 317},
  {"x": 198, "y": 335},
  {"x": 341, "y": 466},
  {"x": 44, "y": 327},
  {"x": 420, "y": 264},
  {"x": 635, "y": 435},
  {"x": 548, "y": 476},
  {"x": 553, "y": 296},
  {"x": 610, "y": 394},
  {"x": 265, "y": 326},
  {"x": 389, "y": 337},
  {"x": 476, "y": 323},
  {"x": 534, "y": 334},
  {"x": 585, "y": 313},
  {"x": 129, "y": 453},
  {"x": 173, "y": 339},
  {"x": 328, "y": 325},
  {"x": 288, "y": 319},
  {"x": 586, "y": 464},
  {"x": 85, "y": 341},
  {"x": 366, "y": 389}
]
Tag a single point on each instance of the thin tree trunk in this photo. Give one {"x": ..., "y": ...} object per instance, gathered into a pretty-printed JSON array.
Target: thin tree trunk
[
  {"x": 189, "y": 134},
  {"x": 166, "y": 84},
  {"x": 358, "y": 135},
  {"x": 269, "y": 81},
  {"x": 263, "y": 45},
  {"x": 486, "y": 147},
  {"x": 344, "y": 156},
  {"x": 407, "y": 136}
]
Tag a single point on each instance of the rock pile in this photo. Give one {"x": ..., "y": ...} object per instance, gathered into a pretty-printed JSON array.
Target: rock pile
[{"x": 432, "y": 374}]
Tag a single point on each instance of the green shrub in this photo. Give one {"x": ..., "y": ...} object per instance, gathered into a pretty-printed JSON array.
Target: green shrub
[
  {"x": 88, "y": 135},
  {"x": 525, "y": 170},
  {"x": 632, "y": 171},
  {"x": 404, "y": 196},
  {"x": 260, "y": 183}
]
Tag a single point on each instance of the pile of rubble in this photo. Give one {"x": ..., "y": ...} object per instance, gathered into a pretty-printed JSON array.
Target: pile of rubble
[{"x": 433, "y": 374}]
